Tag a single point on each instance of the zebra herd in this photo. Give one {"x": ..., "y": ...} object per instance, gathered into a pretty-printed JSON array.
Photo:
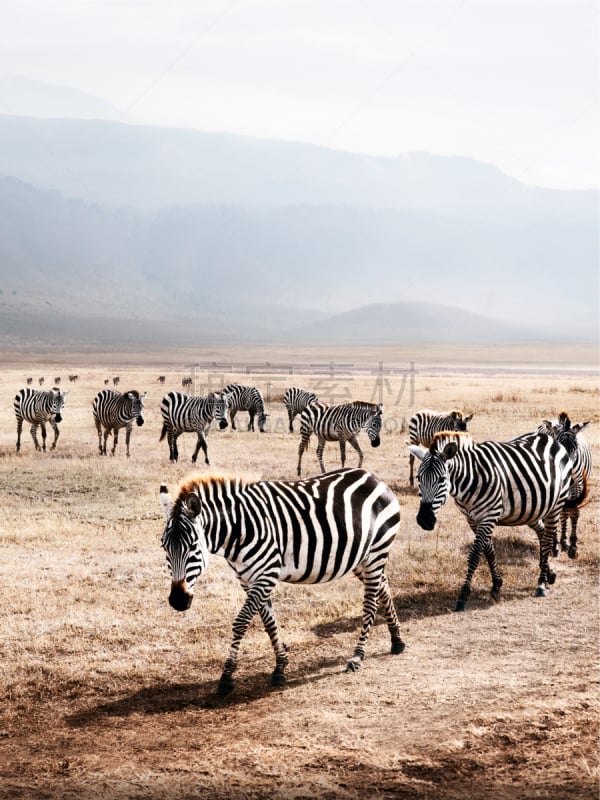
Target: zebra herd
[{"x": 321, "y": 528}]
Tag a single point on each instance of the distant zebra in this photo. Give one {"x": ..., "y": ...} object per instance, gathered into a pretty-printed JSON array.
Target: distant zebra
[
  {"x": 41, "y": 381},
  {"x": 73, "y": 378},
  {"x": 495, "y": 483},
  {"x": 37, "y": 408},
  {"x": 29, "y": 381},
  {"x": 116, "y": 380},
  {"x": 186, "y": 382},
  {"x": 160, "y": 379},
  {"x": 569, "y": 435},
  {"x": 183, "y": 413},
  {"x": 309, "y": 531},
  {"x": 245, "y": 398},
  {"x": 423, "y": 426},
  {"x": 57, "y": 380},
  {"x": 339, "y": 423},
  {"x": 296, "y": 400},
  {"x": 112, "y": 411}
]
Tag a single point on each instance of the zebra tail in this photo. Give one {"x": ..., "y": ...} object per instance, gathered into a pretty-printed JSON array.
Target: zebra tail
[{"x": 163, "y": 432}]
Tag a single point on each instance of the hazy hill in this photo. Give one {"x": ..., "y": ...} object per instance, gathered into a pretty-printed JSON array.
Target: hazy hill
[{"x": 27, "y": 98}]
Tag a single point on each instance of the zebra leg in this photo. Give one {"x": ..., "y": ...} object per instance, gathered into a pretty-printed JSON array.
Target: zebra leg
[
  {"x": 564, "y": 546},
  {"x": 320, "y": 448},
  {"x": 99, "y": 430},
  {"x": 291, "y": 418},
  {"x": 19, "y": 431},
  {"x": 547, "y": 539},
  {"x": 372, "y": 587},
  {"x": 201, "y": 443},
  {"x": 573, "y": 515},
  {"x": 33, "y": 431},
  {"x": 104, "y": 446},
  {"x": 128, "y": 428},
  {"x": 267, "y": 615},
  {"x": 389, "y": 612},
  {"x": 173, "y": 452},
  {"x": 56, "y": 434},
  {"x": 490, "y": 555},
  {"x": 303, "y": 446},
  {"x": 251, "y": 420},
  {"x": 115, "y": 441},
  {"x": 411, "y": 464},
  {"x": 354, "y": 442},
  {"x": 257, "y": 596},
  {"x": 482, "y": 534},
  {"x": 232, "y": 414},
  {"x": 43, "y": 429}
]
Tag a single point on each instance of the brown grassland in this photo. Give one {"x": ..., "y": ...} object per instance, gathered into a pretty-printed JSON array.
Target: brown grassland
[{"x": 106, "y": 692}]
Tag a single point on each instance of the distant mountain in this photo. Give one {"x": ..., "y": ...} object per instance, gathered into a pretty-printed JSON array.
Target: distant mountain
[{"x": 26, "y": 98}]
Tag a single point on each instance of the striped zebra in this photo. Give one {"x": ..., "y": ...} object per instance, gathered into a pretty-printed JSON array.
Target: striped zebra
[
  {"x": 570, "y": 437},
  {"x": 423, "y": 426},
  {"x": 183, "y": 413},
  {"x": 112, "y": 411},
  {"x": 495, "y": 483},
  {"x": 309, "y": 531},
  {"x": 245, "y": 398},
  {"x": 37, "y": 408},
  {"x": 296, "y": 400},
  {"x": 339, "y": 423}
]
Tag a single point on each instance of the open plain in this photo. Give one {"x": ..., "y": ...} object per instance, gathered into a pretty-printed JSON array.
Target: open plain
[{"x": 106, "y": 692}]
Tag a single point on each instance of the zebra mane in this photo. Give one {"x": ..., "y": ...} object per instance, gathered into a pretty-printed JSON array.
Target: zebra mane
[
  {"x": 134, "y": 392},
  {"x": 364, "y": 406},
  {"x": 195, "y": 483},
  {"x": 462, "y": 439}
]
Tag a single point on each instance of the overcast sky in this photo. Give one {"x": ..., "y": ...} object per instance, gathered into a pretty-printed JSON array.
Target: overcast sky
[{"x": 511, "y": 82}]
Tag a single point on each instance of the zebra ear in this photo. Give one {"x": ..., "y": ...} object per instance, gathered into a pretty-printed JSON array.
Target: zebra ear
[
  {"x": 577, "y": 428},
  {"x": 192, "y": 504},
  {"x": 449, "y": 451},
  {"x": 468, "y": 418},
  {"x": 165, "y": 500},
  {"x": 417, "y": 451}
]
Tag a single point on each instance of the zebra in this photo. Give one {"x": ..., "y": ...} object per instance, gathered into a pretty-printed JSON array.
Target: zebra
[
  {"x": 113, "y": 410},
  {"x": 495, "y": 483},
  {"x": 38, "y": 407},
  {"x": 339, "y": 423},
  {"x": 569, "y": 435},
  {"x": 116, "y": 380},
  {"x": 308, "y": 531},
  {"x": 424, "y": 425},
  {"x": 29, "y": 381},
  {"x": 73, "y": 378},
  {"x": 296, "y": 400},
  {"x": 57, "y": 381},
  {"x": 182, "y": 413},
  {"x": 186, "y": 382},
  {"x": 41, "y": 381},
  {"x": 245, "y": 398}
]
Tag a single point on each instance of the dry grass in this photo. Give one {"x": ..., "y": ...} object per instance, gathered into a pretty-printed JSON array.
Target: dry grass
[{"x": 108, "y": 693}]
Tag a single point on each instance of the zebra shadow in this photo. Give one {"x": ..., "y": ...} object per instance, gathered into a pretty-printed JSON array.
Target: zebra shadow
[{"x": 166, "y": 698}]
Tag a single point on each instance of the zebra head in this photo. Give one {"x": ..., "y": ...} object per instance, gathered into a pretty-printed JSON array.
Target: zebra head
[
  {"x": 373, "y": 427},
  {"x": 185, "y": 547},
  {"x": 262, "y": 420},
  {"x": 460, "y": 422},
  {"x": 137, "y": 406},
  {"x": 57, "y": 403},
  {"x": 434, "y": 481},
  {"x": 220, "y": 409}
]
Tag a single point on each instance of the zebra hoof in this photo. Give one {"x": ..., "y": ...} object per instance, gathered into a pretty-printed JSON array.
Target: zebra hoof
[
  {"x": 461, "y": 605},
  {"x": 555, "y": 552},
  {"x": 572, "y": 553},
  {"x": 278, "y": 679},
  {"x": 224, "y": 687},
  {"x": 354, "y": 664},
  {"x": 540, "y": 591},
  {"x": 397, "y": 647}
]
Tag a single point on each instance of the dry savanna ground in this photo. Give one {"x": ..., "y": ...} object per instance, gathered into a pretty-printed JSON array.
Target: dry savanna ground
[{"x": 106, "y": 692}]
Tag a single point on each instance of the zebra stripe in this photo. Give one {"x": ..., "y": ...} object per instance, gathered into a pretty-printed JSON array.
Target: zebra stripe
[
  {"x": 423, "y": 426},
  {"x": 339, "y": 423},
  {"x": 496, "y": 483},
  {"x": 112, "y": 411},
  {"x": 37, "y": 408},
  {"x": 183, "y": 413},
  {"x": 296, "y": 400},
  {"x": 245, "y": 398},
  {"x": 309, "y": 531}
]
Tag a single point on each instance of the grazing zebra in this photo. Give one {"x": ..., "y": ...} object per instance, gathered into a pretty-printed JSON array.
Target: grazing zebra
[
  {"x": 522, "y": 482},
  {"x": 569, "y": 435},
  {"x": 113, "y": 410},
  {"x": 309, "y": 531},
  {"x": 423, "y": 426},
  {"x": 339, "y": 423},
  {"x": 73, "y": 378},
  {"x": 38, "y": 408},
  {"x": 245, "y": 398},
  {"x": 296, "y": 400},
  {"x": 182, "y": 413}
]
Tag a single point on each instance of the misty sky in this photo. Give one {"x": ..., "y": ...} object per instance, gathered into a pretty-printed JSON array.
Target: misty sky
[{"x": 512, "y": 82}]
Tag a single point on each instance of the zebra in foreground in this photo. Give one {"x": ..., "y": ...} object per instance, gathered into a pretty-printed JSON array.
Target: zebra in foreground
[
  {"x": 112, "y": 411},
  {"x": 309, "y": 531},
  {"x": 296, "y": 400},
  {"x": 522, "y": 482},
  {"x": 339, "y": 423},
  {"x": 423, "y": 426},
  {"x": 569, "y": 435},
  {"x": 245, "y": 398},
  {"x": 37, "y": 408},
  {"x": 183, "y": 413}
]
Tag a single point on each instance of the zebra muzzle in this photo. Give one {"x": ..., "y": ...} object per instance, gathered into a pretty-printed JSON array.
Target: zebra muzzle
[
  {"x": 375, "y": 442},
  {"x": 180, "y": 598},
  {"x": 58, "y": 417},
  {"x": 223, "y": 424},
  {"x": 139, "y": 421},
  {"x": 426, "y": 517}
]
